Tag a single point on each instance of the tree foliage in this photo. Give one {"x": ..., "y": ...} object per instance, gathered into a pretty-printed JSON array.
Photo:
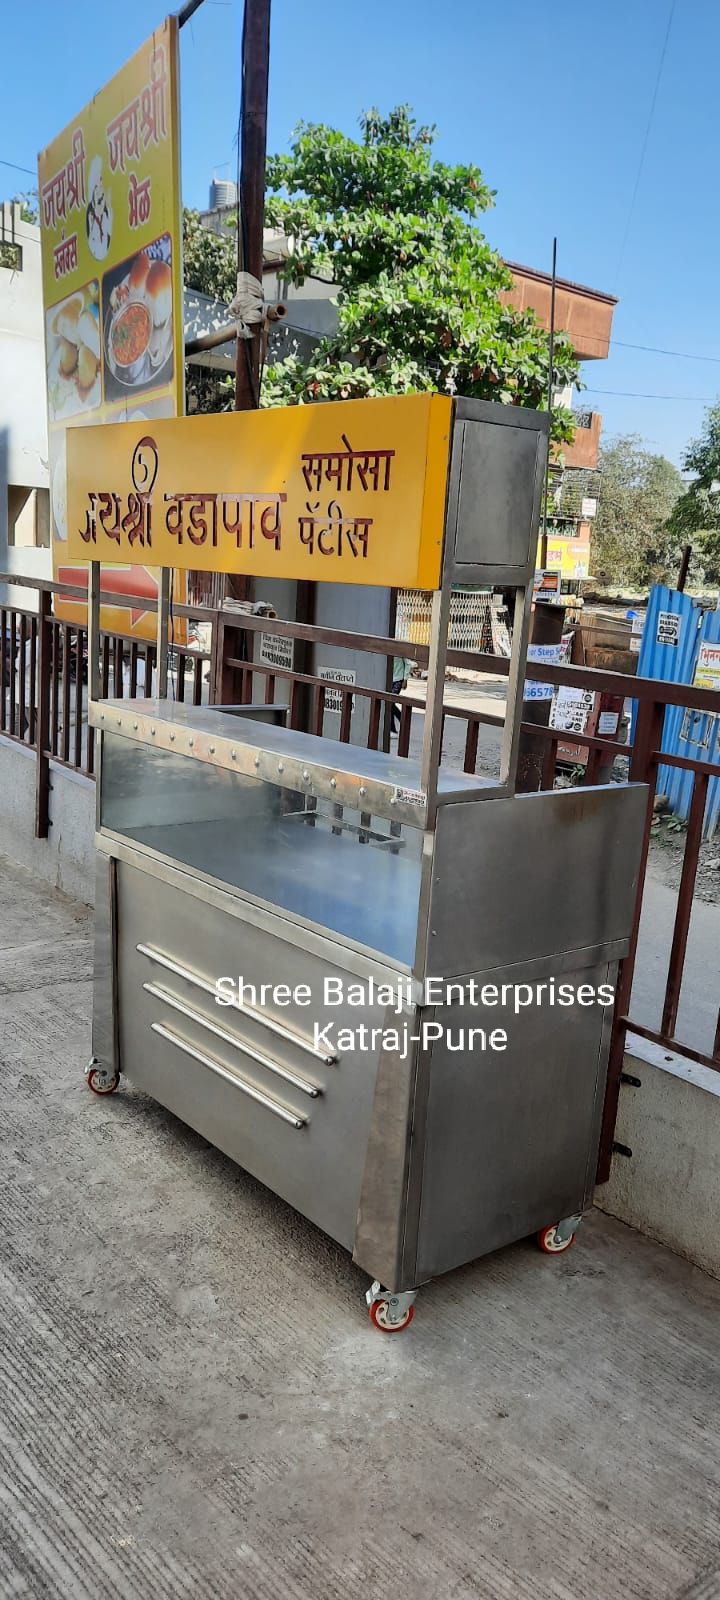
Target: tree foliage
[
  {"x": 696, "y": 516},
  {"x": 210, "y": 268},
  {"x": 209, "y": 264},
  {"x": 633, "y": 542},
  {"x": 421, "y": 295}
]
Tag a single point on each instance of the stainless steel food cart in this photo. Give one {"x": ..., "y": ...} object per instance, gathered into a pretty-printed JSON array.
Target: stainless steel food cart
[{"x": 229, "y": 846}]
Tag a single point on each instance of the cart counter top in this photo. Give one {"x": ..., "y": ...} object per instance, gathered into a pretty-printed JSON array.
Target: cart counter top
[{"x": 371, "y": 780}]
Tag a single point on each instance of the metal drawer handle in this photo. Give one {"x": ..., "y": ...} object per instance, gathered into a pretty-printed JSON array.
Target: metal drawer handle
[
  {"x": 230, "y": 1077},
  {"x": 162, "y": 960},
  {"x": 185, "y": 1010}
]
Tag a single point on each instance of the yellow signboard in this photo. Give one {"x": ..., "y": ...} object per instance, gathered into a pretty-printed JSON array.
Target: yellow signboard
[
  {"x": 109, "y": 200},
  {"x": 352, "y": 492},
  {"x": 571, "y": 557}
]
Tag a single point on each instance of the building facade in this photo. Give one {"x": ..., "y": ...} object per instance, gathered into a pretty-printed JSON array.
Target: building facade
[
  {"x": 586, "y": 316},
  {"x": 24, "y": 493}
]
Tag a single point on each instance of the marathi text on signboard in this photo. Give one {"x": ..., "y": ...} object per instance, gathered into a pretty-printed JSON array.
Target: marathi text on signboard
[
  {"x": 276, "y": 650},
  {"x": 707, "y": 669},
  {"x": 349, "y": 493},
  {"x": 336, "y": 676}
]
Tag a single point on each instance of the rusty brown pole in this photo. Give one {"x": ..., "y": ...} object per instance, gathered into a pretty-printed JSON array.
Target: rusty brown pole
[
  {"x": 546, "y": 627},
  {"x": 253, "y": 147},
  {"x": 684, "y": 565},
  {"x": 251, "y": 218},
  {"x": 684, "y": 904}
]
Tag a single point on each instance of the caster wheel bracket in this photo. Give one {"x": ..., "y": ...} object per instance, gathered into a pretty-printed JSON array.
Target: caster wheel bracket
[{"x": 564, "y": 1230}]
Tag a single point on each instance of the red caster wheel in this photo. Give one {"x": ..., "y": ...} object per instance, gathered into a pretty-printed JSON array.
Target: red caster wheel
[
  {"x": 100, "y": 1081},
  {"x": 390, "y": 1313},
  {"x": 379, "y": 1314},
  {"x": 549, "y": 1242}
]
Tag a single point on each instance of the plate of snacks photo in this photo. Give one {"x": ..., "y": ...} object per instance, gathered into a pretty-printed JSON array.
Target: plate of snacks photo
[
  {"x": 138, "y": 322},
  {"x": 73, "y": 354}
]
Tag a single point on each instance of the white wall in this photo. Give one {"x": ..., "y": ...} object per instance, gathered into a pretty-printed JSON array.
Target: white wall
[
  {"x": 66, "y": 859},
  {"x": 23, "y": 420},
  {"x": 670, "y": 1187}
]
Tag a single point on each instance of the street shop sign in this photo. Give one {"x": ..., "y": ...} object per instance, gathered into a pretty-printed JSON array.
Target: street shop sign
[
  {"x": 111, "y": 245},
  {"x": 347, "y": 493}
]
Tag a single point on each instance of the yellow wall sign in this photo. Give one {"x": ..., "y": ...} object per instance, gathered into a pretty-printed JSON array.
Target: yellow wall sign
[
  {"x": 571, "y": 557},
  {"x": 352, "y": 492},
  {"x": 109, "y": 201}
]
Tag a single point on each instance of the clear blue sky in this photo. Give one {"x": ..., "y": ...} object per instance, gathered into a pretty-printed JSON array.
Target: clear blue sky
[{"x": 549, "y": 97}]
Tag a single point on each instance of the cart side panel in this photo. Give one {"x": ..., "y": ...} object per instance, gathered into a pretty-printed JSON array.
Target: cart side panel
[
  {"x": 531, "y": 876},
  {"x": 316, "y": 1167},
  {"x": 386, "y": 1205},
  {"x": 512, "y": 1136}
]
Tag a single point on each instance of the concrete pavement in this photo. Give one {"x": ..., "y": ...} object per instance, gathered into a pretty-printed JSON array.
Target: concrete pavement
[{"x": 194, "y": 1403}]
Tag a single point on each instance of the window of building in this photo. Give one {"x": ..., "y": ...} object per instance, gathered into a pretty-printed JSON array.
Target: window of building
[{"x": 11, "y": 255}]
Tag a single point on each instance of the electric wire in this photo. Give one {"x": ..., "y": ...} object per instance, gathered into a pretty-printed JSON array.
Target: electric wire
[
  {"x": 29, "y": 170},
  {"x": 634, "y": 394},
  {"x": 646, "y": 137},
  {"x": 656, "y": 350}
]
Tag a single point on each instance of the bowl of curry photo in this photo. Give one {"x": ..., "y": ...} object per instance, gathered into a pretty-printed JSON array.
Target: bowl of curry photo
[{"x": 129, "y": 336}]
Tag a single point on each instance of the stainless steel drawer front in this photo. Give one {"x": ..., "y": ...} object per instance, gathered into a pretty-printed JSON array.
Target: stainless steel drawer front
[
  {"x": 237, "y": 1005},
  {"x": 178, "y": 942},
  {"x": 230, "y": 1077},
  {"x": 185, "y": 1010}
]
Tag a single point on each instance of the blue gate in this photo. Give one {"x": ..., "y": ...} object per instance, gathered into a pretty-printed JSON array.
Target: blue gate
[{"x": 675, "y": 628}]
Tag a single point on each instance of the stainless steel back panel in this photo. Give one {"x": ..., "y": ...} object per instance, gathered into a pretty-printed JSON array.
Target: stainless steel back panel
[
  {"x": 511, "y": 1138},
  {"x": 533, "y": 875},
  {"x": 501, "y": 470},
  {"x": 297, "y": 1122}
]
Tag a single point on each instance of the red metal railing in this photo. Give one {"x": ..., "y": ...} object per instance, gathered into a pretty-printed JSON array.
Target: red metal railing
[
  {"x": 43, "y": 679},
  {"x": 43, "y": 705}
]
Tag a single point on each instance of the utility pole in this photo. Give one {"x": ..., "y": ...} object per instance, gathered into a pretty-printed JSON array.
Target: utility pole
[
  {"x": 249, "y": 352},
  {"x": 255, "y": 71},
  {"x": 253, "y": 145}
]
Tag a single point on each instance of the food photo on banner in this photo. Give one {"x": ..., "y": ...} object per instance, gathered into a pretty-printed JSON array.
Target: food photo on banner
[
  {"x": 137, "y": 303},
  {"x": 109, "y": 200}
]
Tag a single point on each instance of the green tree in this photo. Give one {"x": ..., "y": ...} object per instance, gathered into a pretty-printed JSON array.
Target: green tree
[
  {"x": 696, "y": 517},
  {"x": 209, "y": 262},
  {"x": 633, "y": 542},
  {"x": 28, "y": 203},
  {"x": 422, "y": 297}
]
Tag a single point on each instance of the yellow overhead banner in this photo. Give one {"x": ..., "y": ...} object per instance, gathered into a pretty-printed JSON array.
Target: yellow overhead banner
[
  {"x": 109, "y": 202},
  {"x": 352, "y": 492}
]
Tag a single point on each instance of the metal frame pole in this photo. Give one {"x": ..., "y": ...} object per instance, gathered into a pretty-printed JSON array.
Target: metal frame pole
[
  {"x": 163, "y": 615},
  {"x": 94, "y": 632}
]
